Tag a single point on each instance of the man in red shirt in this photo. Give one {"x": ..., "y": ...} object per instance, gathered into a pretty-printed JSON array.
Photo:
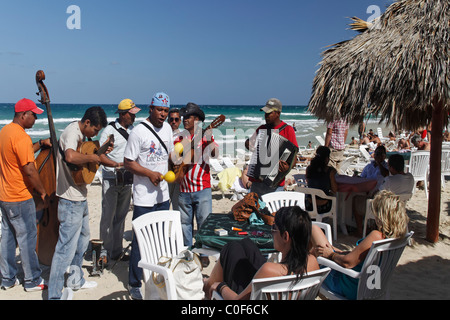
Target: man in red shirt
[
  {"x": 195, "y": 186},
  {"x": 272, "y": 113}
]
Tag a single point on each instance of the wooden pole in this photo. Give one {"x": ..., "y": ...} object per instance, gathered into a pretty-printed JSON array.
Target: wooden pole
[{"x": 434, "y": 200}]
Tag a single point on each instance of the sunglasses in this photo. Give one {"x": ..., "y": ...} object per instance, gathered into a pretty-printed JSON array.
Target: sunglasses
[{"x": 174, "y": 119}]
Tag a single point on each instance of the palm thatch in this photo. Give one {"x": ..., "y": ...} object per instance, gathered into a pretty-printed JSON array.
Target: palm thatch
[{"x": 396, "y": 68}]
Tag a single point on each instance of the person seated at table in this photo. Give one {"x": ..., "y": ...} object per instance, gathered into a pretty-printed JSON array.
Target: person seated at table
[
  {"x": 375, "y": 170},
  {"x": 242, "y": 261},
  {"x": 392, "y": 222},
  {"x": 398, "y": 181},
  {"x": 320, "y": 175}
]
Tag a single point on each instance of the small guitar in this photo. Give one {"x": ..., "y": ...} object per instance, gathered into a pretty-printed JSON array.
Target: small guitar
[
  {"x": 85, "y": 173},
  {"x": 188, "y": 153}
]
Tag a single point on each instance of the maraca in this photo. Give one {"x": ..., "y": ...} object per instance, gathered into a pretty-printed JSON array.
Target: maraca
[
  {"x": 169, "y": 176},
  {"x": 178, "y": 148}
]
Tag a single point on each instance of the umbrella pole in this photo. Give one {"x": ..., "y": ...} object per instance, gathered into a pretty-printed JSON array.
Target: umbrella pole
[{"x": 434, "y": 201}]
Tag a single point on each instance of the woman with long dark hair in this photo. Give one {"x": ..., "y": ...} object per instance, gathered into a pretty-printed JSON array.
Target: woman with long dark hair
[
  {"x": 320, "y": 175},
  {"x": 242, "y": 261}
]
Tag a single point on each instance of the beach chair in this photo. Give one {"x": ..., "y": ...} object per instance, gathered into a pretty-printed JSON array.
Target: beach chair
[
  {"x": 345, "y": 165},
  {"x": 227, "y": 162},
  {"x": 158, "y": 234},
  {"x": 276, "y": 200},
  {"x": 418, "y": 167},
  {"x": 445, "y": 165},
  {"x": 321, "y": 140},
  {"x": 286, "y": 287},
  {"x": 376, "y": 272},
  {"x": 365, "y": 154},
  {"x": 369, "y": 213},
  {"x": 313, "y": 213}
]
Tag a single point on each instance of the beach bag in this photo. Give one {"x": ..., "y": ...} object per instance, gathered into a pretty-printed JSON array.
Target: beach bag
[
  {"x": 187, "y": 273},
  {"x": 243, "y": 209}
]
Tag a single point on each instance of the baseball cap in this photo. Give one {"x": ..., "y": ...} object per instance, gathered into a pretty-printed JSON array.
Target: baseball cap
[
  {"x": 27, "y": 105},
  {"x": 192, "y": 109},
  {"x": 160, "y": 99},
  {"x": 127, "y": 105},
  {"x": 272, "y": 105}
]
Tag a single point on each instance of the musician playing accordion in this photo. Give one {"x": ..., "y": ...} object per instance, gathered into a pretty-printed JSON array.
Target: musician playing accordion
[{"x": 274, "y": 146}]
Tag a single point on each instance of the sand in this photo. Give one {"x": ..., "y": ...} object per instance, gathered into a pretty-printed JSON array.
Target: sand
[{"x": 423, "y": 271}]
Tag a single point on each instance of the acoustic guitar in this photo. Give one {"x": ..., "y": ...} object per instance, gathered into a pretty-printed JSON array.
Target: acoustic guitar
[
  {"x": 188, "y": 153},
  {"x": 85, "y": 173}
]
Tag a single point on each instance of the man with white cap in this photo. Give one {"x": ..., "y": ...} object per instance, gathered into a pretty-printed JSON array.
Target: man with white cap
[
  {"x": 147, "y": 156},
  {"x": 116, "y": 191},
  {"x": 272, "y": 113},
  {"x": 19, "y": 178}
]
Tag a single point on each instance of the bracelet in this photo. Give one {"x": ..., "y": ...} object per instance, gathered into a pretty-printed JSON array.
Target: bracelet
[
  {"x": 40, "y": 142},
  {"x": 220, "y": 287}
]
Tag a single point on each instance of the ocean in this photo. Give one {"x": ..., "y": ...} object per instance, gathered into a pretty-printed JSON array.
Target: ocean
[{"x": 240, "y": 123}]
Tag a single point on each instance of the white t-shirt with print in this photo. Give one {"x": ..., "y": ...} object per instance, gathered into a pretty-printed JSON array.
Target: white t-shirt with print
[{"x": 144, "y": 148}]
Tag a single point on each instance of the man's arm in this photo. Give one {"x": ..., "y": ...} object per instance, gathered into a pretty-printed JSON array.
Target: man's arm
[
  {"x": 30, "y": 171},
  {"x": 328, "y": 137},
  {"x": 135, "y": 168}
]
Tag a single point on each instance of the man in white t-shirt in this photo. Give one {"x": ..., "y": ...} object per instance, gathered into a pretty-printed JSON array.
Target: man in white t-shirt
[
  {"x": 116, "y": 194},
  {"x": 147, "y": 156},
  {"x": 398, "y": 182}
]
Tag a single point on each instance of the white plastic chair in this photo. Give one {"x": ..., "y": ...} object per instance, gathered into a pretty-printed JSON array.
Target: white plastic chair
[
  {"x": 445, "y": 165},
  {"x": 286, "y": 287},
  {"x": 215, "y": 165},
  {"x": 345, "y": 165},
  {"x": 158, "y": 234},
  {"x": 376, "y": 272},
  {"x": 365, "y": 154},
  {"x": 418, "y": 167},
  {"x": 276, "y": 200},
  {"x": 314, "y": 214},
  {"x": 369, "y": 213}
]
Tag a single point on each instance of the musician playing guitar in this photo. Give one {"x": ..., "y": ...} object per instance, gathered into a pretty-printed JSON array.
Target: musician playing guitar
[
  {"x": 72, "y": 205},
  {"x": 195, "y": 183},
  {"x": 272, "y": 113}
]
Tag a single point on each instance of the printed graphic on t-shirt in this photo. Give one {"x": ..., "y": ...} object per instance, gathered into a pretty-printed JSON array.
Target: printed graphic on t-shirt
[{"x": 156, "y": 154}]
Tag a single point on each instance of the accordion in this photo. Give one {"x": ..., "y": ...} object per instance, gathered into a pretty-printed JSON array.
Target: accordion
[{"x": 270, "y": 149}]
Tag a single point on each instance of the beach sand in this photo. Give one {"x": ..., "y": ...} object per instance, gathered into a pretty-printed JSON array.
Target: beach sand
[{"x": 423, "y": 271}]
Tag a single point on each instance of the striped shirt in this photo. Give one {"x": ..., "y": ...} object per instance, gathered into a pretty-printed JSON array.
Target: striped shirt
[
  {"x": 339, "y": 128},
  {"x": 198, "y": 177}
]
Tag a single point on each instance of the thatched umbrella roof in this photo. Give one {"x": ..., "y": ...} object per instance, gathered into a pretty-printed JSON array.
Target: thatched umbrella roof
[
  {"x": 397, "y": 68},
  {"x": 393, "y": 69}
]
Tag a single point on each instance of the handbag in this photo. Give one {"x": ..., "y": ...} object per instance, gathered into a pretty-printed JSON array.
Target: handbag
[
  {"x": 243, "y": 209},
  {"x": 186, "y": 268}
]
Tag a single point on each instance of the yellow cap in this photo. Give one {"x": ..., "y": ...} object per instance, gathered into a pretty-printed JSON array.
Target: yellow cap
[{"x": 127, "y": 105}]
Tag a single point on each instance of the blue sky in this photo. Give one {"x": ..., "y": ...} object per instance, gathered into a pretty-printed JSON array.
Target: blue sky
[{"x": 237, "y": 52}]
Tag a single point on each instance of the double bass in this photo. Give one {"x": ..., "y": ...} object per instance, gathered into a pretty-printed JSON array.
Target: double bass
[{"x": 48, "y": 228}]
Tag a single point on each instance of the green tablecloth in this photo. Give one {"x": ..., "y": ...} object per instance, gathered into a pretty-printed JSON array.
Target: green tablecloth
[
  {"x": 405, "y": 155},
  {"x": 260, "y": 234}
]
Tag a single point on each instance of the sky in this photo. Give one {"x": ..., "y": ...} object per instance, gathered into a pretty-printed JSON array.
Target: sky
[{"x": 228, "y": 52}]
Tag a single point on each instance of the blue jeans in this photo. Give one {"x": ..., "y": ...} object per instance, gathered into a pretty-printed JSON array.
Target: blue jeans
[
  {"x": 200, "y": 203},
  {"x": 115, "y": 205},
  {"x": 19, "y": 228},
  {"x": 72, "y": 243},
  {"x": 135, "y": 273}
]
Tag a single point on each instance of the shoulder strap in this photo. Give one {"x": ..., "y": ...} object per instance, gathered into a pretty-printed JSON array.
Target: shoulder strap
[
  {"x": 156, "y": 135},
  {"x": 122, "y": 131}
]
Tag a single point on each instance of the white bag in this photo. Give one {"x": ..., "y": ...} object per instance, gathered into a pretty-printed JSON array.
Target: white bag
[{"x": 187, "y": 273}]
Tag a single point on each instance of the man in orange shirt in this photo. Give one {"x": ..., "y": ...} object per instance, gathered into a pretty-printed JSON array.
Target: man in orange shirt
[{"x": 18, "y": 179}]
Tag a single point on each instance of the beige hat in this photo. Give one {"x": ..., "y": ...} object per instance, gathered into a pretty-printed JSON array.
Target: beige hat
[
  {"x": 127, "y": 105},
  {"x": 272, "y": 105}
]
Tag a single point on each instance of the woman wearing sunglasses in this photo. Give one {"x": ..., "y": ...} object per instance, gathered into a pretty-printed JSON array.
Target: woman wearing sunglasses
[{"x": 242, "y": 261}]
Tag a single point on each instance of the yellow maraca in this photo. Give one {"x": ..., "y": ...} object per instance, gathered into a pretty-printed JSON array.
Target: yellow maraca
[
  {"x": 178, "y": 148},
  {"x": 169, "y": 176}
]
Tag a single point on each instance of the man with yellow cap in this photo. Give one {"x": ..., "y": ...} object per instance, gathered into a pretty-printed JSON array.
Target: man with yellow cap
[{"x": 116, "y": 191}]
